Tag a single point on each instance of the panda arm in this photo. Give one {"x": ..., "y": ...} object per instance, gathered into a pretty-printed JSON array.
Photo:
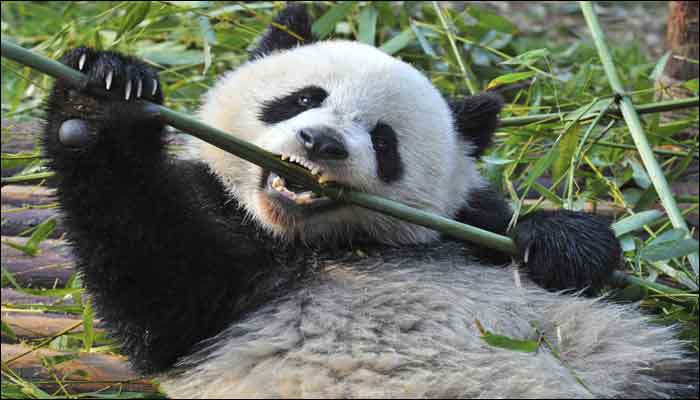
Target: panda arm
[
  {"x": 168, "y": 261},
  {"x": 560, "y": 249}
]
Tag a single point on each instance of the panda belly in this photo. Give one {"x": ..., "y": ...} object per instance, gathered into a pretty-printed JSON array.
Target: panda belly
[{"x": 403, "y": 325}]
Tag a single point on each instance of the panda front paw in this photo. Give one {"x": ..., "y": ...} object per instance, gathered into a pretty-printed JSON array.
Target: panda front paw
[
  {"x": 127, "y": 78},
  {"x": 568, "y": 250},
  {"x": 109, "y": 104}
]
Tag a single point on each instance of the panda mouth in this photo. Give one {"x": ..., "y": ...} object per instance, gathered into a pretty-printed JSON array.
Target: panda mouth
[{"x": 292, "y": 195}]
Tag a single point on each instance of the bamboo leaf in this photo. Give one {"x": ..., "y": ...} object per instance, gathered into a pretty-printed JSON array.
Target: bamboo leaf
[
  {"x": 8, "y": 331},
  {"x": 636, "y": 221},
  {"x": 660, "y": 66},
  {"x": 325, "y": 25},
  {"x": 566, "y": 149},
  {"x": 492, "y": 21},
  {"x": 510, "y": 78},
  {"x": 52, "y": 361},
  {"x": 398, "y": 42},
  {"x": 136, "y": 12},
  {"x": 527, "y": 58},
  {"x": 88, "y": 326},
  {"x": 422, "y": 41},
  {"x": 505, "y": 342},
  {"x": 367, "y": 25},
  {"x": 41, "y": 232},
  {"x": 670, "y": 249}
]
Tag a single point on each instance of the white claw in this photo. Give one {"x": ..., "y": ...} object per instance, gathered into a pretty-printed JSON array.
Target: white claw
[
  {"x": 108, "y": 80},
  {"x": 155, "y": 87},
  {"x": 127, "y": 91},
  {"x": 139, "y": 87},
  {"x": 81, "y": 62}
]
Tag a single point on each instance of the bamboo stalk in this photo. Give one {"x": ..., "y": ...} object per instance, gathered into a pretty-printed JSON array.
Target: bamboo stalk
[
  {"x": 466, "y": 71},
  {"x": 661, "y": 106},
  {"x": 634, "y": 125},
  {"x": 268, "y": 160}
]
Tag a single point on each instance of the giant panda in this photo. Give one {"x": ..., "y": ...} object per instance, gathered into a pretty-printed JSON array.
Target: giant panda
[{"x": 223, "y": 280}]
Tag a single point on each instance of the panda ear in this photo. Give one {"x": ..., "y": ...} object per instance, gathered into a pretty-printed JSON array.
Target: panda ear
[
  {"x": 476, "y": 118},
  {"x": 290, "y": 28}
]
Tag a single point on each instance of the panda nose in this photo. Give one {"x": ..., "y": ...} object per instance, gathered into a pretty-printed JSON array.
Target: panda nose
[{"x": 320, "y": 144}]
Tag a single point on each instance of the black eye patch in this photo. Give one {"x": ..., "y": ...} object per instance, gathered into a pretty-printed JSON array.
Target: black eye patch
[
  {"x": 288, "y": 106},
  {"x": 386, "y": 151}
]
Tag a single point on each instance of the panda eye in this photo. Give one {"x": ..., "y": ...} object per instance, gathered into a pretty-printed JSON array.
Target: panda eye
[{"x": 304, "y": 101}]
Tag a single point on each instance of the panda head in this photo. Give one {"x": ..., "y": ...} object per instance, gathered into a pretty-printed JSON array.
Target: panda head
[{"x": 351, "y": 114}]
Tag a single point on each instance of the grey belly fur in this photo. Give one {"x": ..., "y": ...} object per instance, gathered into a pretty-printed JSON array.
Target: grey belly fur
[{"x": 402, "y": 325}]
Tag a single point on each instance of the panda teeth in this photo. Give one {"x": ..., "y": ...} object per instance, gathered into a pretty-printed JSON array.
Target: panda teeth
[{"x": 314, "y": 169}]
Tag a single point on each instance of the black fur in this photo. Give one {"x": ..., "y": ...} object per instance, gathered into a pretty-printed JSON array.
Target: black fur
[
  {"x": 295, "y": 18},
  {"x": 476, "y": 118},
  {"x": 386, "y": 149},
  {"x": 164, "y": 252},
  {"x": 486, "y": 209},
  {"x": 289, "y": 106},
  {"x": 566, "y": 249}
]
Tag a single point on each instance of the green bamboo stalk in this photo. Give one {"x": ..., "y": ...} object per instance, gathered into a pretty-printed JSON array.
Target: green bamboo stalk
[
  {"x": 268, "y": 160},
  {"x": 631, "y": 117},
  {"x": 472, "y": 85},
  {"x": 661, "y": 106},
  {"x": 27, "y": 177}
]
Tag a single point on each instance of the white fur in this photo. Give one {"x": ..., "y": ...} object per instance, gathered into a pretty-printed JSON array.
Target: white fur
[
  {"x": 365, "y": 86},
  {"x": 402, "y": 325}
]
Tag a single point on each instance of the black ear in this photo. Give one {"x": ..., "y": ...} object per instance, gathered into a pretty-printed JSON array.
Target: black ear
[
  {"x": 476, "y": 118},
  {"x": 297, "y": 31}
]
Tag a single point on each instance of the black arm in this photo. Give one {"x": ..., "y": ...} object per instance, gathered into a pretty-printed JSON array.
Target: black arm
[
  {"x": 559, "y": 249},
  {"x": 163, "y": 250}
]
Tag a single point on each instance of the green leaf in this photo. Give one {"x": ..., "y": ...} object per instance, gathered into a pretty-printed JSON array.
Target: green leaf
[
  {"x": 674, "y": 127},
  {"x": 10, "y": 160},
  {"x": 505, "y": 342},
  {"x": 8, "y": 331},
  {"x": 398, "y": 42},
  {"x": 422, "y": 41},
  {"x": 52, "y": 361},
  {"x": 547, "y": 194},
  {"x": 692, "y": 85},
  {"x": 136, "y": 12},
  {"x": 7, "y": 277},
  {"x": 636, "y": 221},
  {"x": 495, "y": 160},
  {"x": 660, "y": 66},
  {"x": 668, "y": 250},
  {"x": 88, "y": 326},
  {"x": 639, "y": 174},
  {"x": 491, "y": 20},
  {"x": 41, "y": 232},
  {"x": 510, "y": 78},
  {"x": 208, "y": 38},
  {"x": 540, "y": 166},
  {"x": 527, "y": 58},
  {"x": 325, "y": 25},
  {"x": 566, "y": 149},
  {"x": 367, "y": 27},
  {"x": 670, "y": 235}
]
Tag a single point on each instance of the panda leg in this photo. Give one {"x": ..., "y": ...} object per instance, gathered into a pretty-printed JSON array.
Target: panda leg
[{"x": 161, "y": 248}]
